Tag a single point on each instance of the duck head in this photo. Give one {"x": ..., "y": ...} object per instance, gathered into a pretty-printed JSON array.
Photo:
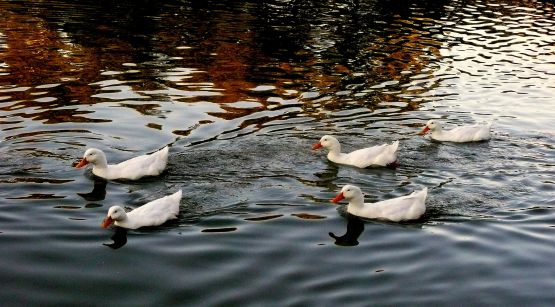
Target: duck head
[
  {"x": 432, "y": 125},
  {"x": 93, "y": 156},
  {"x": 115, "y": 213},
  {"x": 328, "y": 142},
  {"x": 348, "y": 192}
]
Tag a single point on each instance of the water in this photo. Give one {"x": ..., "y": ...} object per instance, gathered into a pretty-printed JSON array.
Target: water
[{"x": 241, "y": 90}]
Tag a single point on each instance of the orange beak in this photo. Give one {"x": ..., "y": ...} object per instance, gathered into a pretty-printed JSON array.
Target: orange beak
[
  {"x": 107, "y": 222},
  {"x": 82, "y": 163},
  {"x": 316, "y": 146},
  {"x": 424, "y": 131},
  {"x": 338, "y": 198}
]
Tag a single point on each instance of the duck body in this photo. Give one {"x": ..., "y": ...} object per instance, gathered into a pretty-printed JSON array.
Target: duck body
[
  {"x": 404, "y": 208},
  {"x": 381, "y": 155},
  {"x": 154, "y": 213},
  {"x": 459, "y": 134},
  {"x": 132, "y": 169}
]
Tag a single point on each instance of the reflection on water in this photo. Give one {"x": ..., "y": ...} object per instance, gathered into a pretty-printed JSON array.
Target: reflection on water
[
  {"x": 119, "y": 238},
  {"x": 222, "y": 57},
  {"x": 98, "y": 192},
  {"x": 242, "y": 89},
  {"x": 355, "y": 227},
  {"x": 225, "y": 229}
]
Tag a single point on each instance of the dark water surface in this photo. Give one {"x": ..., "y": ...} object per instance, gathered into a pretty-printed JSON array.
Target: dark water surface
[{"x": 242, "y": 90}]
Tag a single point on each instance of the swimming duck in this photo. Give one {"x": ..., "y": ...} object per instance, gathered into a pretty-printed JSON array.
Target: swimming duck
[
  {"x": 381, "y": 155},
  {"x": 132, "y": 169},
  {"x": 459, "y": 134},
  {"x": 404, "y": 208},
  {"x": 154, "y": 213}
]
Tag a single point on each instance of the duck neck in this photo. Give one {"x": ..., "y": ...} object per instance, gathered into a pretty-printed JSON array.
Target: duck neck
[
  {"x": 123, "y": 222},
  {"x": 355, "y": 203},
  {"x": 437, "y": 132},
  {"x": 100, "y": 165},
  {"x": 335, "y": 154}
]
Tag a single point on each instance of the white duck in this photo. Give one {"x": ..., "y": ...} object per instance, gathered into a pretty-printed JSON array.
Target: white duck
[
  {"x": 459, "y": 134},
  {"x": 132, "y": 169},
  {"x": 404, "y": 208},
  {"x": 154, "y": 213},
  {"x": 381, "y": 155}
]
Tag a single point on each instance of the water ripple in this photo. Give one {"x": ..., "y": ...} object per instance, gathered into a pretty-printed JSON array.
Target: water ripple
[{"x": 241, "y": 91}]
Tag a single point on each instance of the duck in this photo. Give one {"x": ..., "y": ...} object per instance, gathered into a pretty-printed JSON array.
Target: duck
[
  {"x": 459, "y": 134},
  {"x": 135, "y": 168},
  {"x": 154, "y": 213},
  {"x": 404, "y": 208},
  {"x": 380, "y": 155}
]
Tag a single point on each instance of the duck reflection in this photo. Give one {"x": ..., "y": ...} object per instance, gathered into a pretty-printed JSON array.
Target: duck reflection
[
  {"x": 329, "y": 174},
  {"x": 98, "y": 192},
  {"x": 355, "y": 227},
  {"x": 119, "y": 236}
]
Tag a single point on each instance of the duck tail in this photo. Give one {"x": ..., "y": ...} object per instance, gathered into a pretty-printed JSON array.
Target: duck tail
[
  {"x": 423, "y": 193},
  {"x": 177, "y": 198},
  {"x": 394, "y": 146},
  {"x": 390, "y": 155},
  {"x": 162, "y": 155},
  {"x": 178, "y": 194}
]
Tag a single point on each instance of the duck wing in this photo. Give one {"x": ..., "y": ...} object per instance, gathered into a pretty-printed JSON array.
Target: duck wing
[
  {"x": 469, "y": 133},
  {"x": 145, "y": 165},
  {"x": 408, "y": 207},
  {"x": 157, "y": 211},
  {"x": 375, "y": 155}
]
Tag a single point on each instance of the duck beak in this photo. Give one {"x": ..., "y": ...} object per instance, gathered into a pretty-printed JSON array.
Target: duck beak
[
  {"x": 338, "y": 198},
  {"x": 107, "y": 222},
  {"x": 424, "y": 131},
  {"x": 82, "y": 163},
  {"x": 316, "y": 146}
]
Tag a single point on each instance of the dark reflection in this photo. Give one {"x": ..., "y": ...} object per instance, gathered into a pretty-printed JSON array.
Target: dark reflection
[
  {"x": 98, "y": 192},
  {"x": 119, "y": 238},
  {"x": 355, "y": 227},
  {"x": 264, "y": 218},
  {"x": 216, "y": 230},
  {"x": 307, "y": 216},
  {"x": 329, "y": 174}
]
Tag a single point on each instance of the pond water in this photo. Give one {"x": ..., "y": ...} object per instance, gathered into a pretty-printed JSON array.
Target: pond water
[{"x": 241, "y": 90}]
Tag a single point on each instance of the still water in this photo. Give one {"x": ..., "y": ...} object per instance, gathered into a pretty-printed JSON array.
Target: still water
[{"x": 241, "y": 90}]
